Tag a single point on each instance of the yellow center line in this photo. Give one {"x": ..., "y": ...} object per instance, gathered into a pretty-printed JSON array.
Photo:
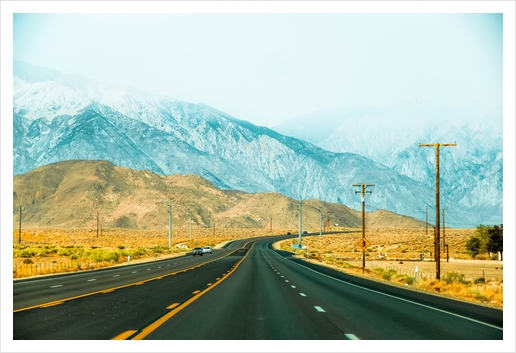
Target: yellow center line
[
  {"x": 172, "y": 306},
  {"x": 51, "y": 304},
  {"x": 195, "y": 292},
  {"x": 44, "y": 305},
  {"x": 124, "y": 335},
  {"x": 153, "y": 326}
]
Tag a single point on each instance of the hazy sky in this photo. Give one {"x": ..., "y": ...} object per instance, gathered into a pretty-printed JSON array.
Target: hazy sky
[{"x": 267, "y": 68}]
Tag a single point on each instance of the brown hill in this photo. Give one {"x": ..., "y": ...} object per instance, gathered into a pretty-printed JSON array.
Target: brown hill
[{"x": 69, "y": 194}]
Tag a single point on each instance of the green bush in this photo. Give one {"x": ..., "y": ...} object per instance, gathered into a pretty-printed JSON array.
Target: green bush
[
  {"x": 409, "y": 280},
  {"x": 478, "y": 296},
  {"x": 28, "y": 261},
  {"x": 450, "y": 277},
  {"x": 479, "y": 280},
  {"x": 386, "y": 275},
  {"x": 378, "y": 270}
]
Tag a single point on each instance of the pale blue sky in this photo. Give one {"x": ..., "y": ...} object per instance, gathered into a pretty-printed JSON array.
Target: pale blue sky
[{"x": 267, "y": 68}]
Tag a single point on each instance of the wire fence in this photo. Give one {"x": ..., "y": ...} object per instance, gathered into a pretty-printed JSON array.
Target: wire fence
[
  {"x": 21, "y": 270},
  {"x": 403, "y": 270}
]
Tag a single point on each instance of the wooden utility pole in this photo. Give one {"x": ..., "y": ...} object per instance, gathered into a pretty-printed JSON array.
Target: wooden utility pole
[
  {"x": 320, "y": 219},
  {"x": 444, "y": 240},
  {"x": 169, "y": 222},
  {"x": 97, "y": 223},
  {"x": 19, "y": 229},
  {"x": 363, "y": 191},
  {"x": 427, "y": 220},
  {"x": 300, "y": 222},
  {"x": 437, "y": 240},
  {"x": 190, "y": 211}
]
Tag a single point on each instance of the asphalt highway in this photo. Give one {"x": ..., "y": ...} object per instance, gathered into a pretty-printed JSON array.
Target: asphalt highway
[{"x": 247, "y": 291}]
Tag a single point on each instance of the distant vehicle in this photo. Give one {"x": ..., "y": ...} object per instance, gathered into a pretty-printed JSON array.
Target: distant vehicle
[
  {"x": 288, "y": 233},
  {"x": 305, "y": 232},
  {"x": 197, "y": 251},
  {"x": 206, "y": 250}
]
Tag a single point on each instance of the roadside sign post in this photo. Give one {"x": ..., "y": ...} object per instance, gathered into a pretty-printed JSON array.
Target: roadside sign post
[{"x": 363, "y": 243}]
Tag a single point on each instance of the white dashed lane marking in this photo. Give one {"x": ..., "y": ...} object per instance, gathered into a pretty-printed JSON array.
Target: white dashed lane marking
[
  {"x": 319, "y": 309},
  {"x": 302, "y": 294},
  {"x": 293, "y": 286},
  {"x": 116, "y": 275},
  {"x": 56, "y": 286},
  {"x": 93, "y": 279}
]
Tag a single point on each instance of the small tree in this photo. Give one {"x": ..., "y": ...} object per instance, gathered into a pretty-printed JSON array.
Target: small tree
[
  {"x": 495, "y": 241},
  {"x": 473, "y": 246}
]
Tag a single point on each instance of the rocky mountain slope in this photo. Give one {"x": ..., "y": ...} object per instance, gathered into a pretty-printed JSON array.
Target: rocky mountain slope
[
  {"x": 60, "y": 117},
  {"x": 68, "y": 195}
]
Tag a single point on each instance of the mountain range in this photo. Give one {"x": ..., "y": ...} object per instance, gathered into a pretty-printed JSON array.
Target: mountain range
[
  {"x": 68, "y": 194},
  {"x": 60, "y": 117}
]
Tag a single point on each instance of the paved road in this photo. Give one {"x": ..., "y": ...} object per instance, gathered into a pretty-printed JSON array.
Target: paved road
[{"x": 252, "y": 292}]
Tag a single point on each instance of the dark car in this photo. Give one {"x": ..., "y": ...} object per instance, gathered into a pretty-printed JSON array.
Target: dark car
[{"x": 197, "y": 251}]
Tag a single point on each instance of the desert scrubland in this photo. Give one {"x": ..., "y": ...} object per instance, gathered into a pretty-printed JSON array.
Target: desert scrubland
[{"x": 392, "y": 256}]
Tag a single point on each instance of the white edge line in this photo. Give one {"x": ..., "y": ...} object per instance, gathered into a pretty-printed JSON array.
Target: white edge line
[
  {"x": 391, "y": 296},
  {"x": 351, "y": 336}
]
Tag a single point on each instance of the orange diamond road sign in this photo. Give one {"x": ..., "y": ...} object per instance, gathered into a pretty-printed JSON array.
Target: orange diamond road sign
[{"x": 364, "y": 243}]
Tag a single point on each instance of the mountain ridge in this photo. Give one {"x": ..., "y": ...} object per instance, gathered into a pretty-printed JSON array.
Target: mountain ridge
[
  {"x": 168, "y": 136},
  {"x": 68, "y": 194}
]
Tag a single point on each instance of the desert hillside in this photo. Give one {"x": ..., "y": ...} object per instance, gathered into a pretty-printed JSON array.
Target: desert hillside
[{"x": 69, "y": 194}]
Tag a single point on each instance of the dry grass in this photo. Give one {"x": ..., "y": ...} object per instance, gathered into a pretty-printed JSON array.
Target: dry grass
[
  {"x": 395, "y": 253},
  {"x": 392, "y": 256},
  {"x": 46, "y": 251}
]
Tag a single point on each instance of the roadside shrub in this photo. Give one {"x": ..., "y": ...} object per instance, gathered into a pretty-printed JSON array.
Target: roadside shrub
[
  {"x": 409, "y": 280},
  {"x": 378, "y": 270},
  {"x": 478, "y": 296},
  {"x": 26, "y": 253},
  {"x": 28, "y": 261},
  {"x": 479, "y": 280},
  {"x": 450, "y": 277},
  {"x": 121, "y": 247},
  {"x": 387, "y": 275}
]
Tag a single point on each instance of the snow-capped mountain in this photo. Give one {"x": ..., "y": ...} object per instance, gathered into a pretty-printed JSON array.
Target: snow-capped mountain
[
  {"x": 471, "y": 173},
  {"x": 66, "y": 117}
]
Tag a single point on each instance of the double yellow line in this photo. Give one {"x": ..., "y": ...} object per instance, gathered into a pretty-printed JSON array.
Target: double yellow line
[
  {"x": 61, "y": 301},
  {"x": 153, "y": 326}
]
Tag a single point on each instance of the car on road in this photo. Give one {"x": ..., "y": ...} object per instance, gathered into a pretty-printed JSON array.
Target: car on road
[
  {"x": 206, "y": 250},
  {"x": 197, "y": 251}
]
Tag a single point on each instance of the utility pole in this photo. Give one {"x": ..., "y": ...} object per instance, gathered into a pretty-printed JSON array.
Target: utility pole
[
  {"x": 320, "y": 219},
  {"x": 437, "y": 233},
  {"x": 190, "y": 211},
  {"x": 444, "y": 240},
  {"x": 19, "y": 229},
  {"x": 169, "y": 222},
  {"x": 300, "y": 222},
  {"x": 363, "y": 191},
  {"x": 427, "y": 220},
  {"x": 97, "y": 222}
]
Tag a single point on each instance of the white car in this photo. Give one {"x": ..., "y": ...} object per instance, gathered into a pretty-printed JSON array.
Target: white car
[{"x": 206, "y": 250}]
